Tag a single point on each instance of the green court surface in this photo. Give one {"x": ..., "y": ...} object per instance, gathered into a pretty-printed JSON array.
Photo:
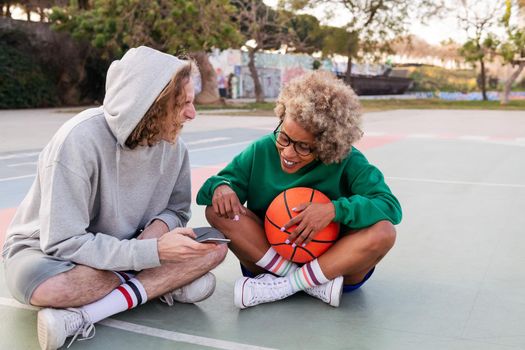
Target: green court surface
[{"x": 454, "y": 280}]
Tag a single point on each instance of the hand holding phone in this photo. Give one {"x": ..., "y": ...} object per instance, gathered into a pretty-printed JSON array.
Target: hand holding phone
[{"x": 209, "y": 235}]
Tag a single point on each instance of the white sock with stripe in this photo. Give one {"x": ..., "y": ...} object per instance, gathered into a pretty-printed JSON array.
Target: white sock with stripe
[
  {"x": 273, "y": 262},
  {"x": 309, "y": 275},
  {"x": 126, "y": 296},
  {"x": 123, "y": 276}
]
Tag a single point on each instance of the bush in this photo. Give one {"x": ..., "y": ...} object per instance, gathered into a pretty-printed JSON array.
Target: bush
[
  {"x": 23, "y": 83},
  {"x": 431, "y": 78}
]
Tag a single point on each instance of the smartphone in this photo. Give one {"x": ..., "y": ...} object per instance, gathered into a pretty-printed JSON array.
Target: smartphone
[
  {"x": 209, "y": 235},
  {"x": 214, "y": 240}
]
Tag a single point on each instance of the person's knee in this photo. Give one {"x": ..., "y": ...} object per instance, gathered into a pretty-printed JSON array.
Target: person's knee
[
  {"x": 382, "y": 238},
  {"x": 219, "y": 255},
  {"x": 49, "y": 292},
  {"x": 218, "y": 222}
]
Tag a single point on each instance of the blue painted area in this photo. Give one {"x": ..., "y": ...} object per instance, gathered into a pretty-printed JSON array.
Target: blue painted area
[{"x": 12, "y": 192}]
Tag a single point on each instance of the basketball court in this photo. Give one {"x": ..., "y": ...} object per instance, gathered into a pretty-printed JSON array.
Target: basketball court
[{"x": 454, "y": 280}]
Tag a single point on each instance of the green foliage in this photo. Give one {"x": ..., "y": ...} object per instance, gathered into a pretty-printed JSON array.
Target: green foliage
[
  {"x": 308, "y": 35},
  {"x": 339, "y": 41},
  {"x": 173, "y": 26},
  {"x": 23, "y": 83},
  {"x": 431, "y": 78},
  {"x": 476, "y": 49}
]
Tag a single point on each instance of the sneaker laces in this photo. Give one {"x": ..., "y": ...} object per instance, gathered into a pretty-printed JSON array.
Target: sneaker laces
[
  {"x": 264, "y": 291},
  {"x": 168, "y": 299},
  {"x": 79, "y": 320},
  {"x": 319, "y": 291}
]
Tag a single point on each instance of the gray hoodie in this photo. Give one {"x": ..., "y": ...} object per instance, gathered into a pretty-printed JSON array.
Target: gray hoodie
[{"x": 92, "y": 193}]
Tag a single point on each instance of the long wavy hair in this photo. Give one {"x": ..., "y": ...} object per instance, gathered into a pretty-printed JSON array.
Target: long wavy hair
[{"x": 149, "y": 130}]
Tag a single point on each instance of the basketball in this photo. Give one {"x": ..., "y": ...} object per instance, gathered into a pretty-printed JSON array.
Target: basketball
[{"x": 280, "y": 212}]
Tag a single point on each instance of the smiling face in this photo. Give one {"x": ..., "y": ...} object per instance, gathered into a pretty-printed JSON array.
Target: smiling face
[
  {"x": 291, "y": 160},
  {"x": 186, "y": 113}
]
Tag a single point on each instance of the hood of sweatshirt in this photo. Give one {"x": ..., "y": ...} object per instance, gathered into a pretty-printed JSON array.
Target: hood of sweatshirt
[{"x": 133, "y": 84}]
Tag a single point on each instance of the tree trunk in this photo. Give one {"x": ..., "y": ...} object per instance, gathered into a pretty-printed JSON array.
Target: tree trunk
[
  {"x": 8, "y": 9},
  {"x": 508, "y": 84},
  {"x": 209, "y": 92},
  {"x": 83, "y": 4},
  {"x": 348, "y": 76},
  {"x": 259, "y": 93},
  {"x": 483, "y": 80}
]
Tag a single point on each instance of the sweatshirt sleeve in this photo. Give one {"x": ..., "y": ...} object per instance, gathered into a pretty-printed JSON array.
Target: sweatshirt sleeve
[
  {"x": 178, "y": 211},
  {"x": 64, "y": 215},
  {"x": 371, "y": 200},
  {"x": 236, "y": 175}
]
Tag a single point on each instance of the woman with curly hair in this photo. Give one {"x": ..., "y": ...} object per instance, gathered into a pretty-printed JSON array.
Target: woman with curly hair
[
  {"x": 311, "y": 147},
  {"x": 102, "y": 228}
]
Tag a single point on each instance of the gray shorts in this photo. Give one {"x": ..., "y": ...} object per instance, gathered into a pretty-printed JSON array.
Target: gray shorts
[{"x": 29, "y": 268}]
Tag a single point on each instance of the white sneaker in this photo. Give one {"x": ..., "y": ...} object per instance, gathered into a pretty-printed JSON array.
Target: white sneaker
[
  {"x": 330, "y": 292},
  {"x": 198, "y": 290},
  {"x": 55, "y": 325},
  {"x": 264, "y": 288}
]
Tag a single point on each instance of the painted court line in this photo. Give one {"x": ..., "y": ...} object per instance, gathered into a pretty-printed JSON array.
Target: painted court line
[
  {"x": 22, "y": 164},
  {"x": 179, "y": 337},
  {"x": 16, "y": 177},
  {"x": 19, "y": 155},
  {"x": 216, "y": 139},
  {"x": 153, "y": 332},
  {"x": 455, "y": 182},
  {"x": 221, "y": 146}
]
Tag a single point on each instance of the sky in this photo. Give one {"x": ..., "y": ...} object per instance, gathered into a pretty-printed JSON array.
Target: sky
[{"x": 434, "y": 32}]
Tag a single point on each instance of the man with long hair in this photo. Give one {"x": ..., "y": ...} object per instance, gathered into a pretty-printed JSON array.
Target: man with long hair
[{"x": 102, "y": 229}]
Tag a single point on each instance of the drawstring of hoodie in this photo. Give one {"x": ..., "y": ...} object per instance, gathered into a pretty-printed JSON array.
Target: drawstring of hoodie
[
  {"x": 162, "y": 159},
  {"x": 116, "y": 199}
]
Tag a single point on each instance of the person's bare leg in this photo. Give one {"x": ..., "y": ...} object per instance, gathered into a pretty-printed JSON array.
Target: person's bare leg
[
  {"x": 356, "y": 253},
  {"x": 160, "y": 280},
  {"x": 248, "y": 240},
  {"x": 83, "y": 285},
  {"x": 79, "y": 286}
]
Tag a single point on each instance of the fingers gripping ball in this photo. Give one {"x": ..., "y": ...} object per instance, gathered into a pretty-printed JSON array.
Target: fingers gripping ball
[{"x": 280, "y": 212}]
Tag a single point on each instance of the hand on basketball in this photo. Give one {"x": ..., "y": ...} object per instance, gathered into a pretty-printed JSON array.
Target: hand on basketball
[
  {"x": 226, "y": 204},
  {"x": 179, "y": 245},
  {"x": 312, "y": 218}
]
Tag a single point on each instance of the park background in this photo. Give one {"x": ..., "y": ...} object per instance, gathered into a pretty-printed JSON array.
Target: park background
[
  {"x": 56, "y": 53},
  {"x": 456, "y": 275}
]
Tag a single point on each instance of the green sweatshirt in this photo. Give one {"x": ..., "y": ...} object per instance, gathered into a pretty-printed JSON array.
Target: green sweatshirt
[{"x": 357, "y": 188}]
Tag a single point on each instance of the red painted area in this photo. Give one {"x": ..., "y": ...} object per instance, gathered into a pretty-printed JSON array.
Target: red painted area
[
  {"x": 5, "y": 218},
  {"x": 200, "y": 175},
  {"x": 376, "y": 141}
]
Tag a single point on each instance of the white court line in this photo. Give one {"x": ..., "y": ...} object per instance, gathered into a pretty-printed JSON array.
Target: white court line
[
  {"x": 216, "y": 139},
  {"x": 220, "y": 146},
  {"x": 17, "y": 177},
  {"x": 473, "y": 138},
  {"x": 372, "y": 133},
  {"x": 19, "y": 155},
  {"x": 455, "y": 182},
  {"x": 153, "y": 332},
  {"x": 422, "y": 136},
  {"x": 179, "y": 337},
  {"x": 22, "y": 164}
]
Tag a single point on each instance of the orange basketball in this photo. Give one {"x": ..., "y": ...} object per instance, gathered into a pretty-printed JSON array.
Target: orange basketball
[{"x": 280, "y": 212}]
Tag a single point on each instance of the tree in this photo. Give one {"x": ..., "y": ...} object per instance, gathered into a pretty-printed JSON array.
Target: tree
[
  {"x": 481, "y": 44},
  {"x": 374, "y": 24},
  {"x": 512, "y": 50},
  {"x": 180, "y": 27},
  {"x": 306, "y": 35},
  {"x": 263, "y": 28}
]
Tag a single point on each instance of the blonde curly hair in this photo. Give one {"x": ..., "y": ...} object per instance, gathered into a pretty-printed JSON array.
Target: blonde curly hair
[{"x": 326, "y": 107}]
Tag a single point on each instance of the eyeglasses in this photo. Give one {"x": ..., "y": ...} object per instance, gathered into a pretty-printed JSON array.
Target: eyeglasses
[{"x": 302, "y": 148}]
